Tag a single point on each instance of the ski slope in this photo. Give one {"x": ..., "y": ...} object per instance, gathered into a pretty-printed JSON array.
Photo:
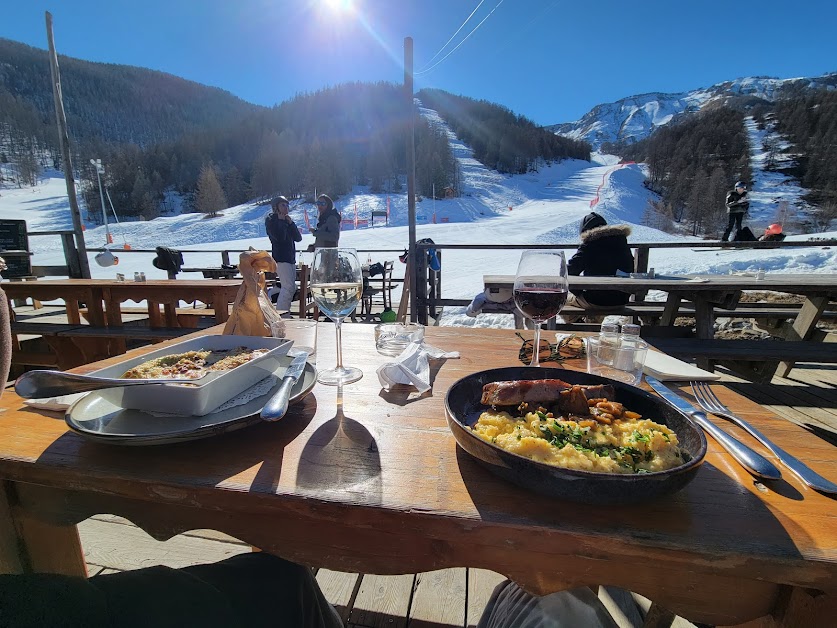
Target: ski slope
[{"x": 543, "y": 207}]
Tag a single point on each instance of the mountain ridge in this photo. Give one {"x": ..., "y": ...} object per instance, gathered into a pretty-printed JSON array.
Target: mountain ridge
[{"x": 635, "y": 117}]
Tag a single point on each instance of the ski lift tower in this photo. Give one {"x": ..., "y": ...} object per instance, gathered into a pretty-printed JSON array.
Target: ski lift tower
[{"x": 100, "y": 170}]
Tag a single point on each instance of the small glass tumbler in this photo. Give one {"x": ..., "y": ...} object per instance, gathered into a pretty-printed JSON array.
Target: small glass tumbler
[
  {"x": 393, "y": 338},
  {"x": 303, "y": 332},
  {"x": 622, "y": 361}
]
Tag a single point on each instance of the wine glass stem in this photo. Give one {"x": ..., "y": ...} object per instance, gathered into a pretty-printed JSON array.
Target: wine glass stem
[
  {"x": 536, "y": 346},
  {"x": 337, "y": 323}
]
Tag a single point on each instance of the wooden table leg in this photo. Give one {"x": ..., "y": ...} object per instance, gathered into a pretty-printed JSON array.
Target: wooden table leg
[
  {"x": 803, "y": 326},
  {"x": 221, "y": 307},
  {"x": 171, "y": 314},
  {"x": 154, "y": 317},
  {"x": 704, "y": 327},
  {"x": 28, "y": 545},
  {"x": 113, "y": 318}
]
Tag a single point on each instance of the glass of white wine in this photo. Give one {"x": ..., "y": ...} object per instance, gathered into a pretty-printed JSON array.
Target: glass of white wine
[{"x": 336, "y": 285}]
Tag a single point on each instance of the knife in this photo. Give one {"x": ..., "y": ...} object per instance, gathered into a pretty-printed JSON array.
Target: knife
[
  {"x": 754, "y": 462},
  {"x": 277, "y": 405}
]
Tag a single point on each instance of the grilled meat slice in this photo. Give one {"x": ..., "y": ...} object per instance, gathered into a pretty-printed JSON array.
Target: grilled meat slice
[{"x": 515, "y": 392}]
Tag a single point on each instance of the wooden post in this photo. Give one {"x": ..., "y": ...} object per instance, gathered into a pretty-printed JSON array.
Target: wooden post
[
  {"x": 411, "y": 170},
  {"x": 64, "y": 141}
]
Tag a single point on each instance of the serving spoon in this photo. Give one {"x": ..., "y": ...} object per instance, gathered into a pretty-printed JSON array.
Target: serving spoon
[{"x": 45, "y": 383}]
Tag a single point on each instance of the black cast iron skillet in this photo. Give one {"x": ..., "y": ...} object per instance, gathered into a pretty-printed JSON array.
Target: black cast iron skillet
[{"x": 463, "y": 408}]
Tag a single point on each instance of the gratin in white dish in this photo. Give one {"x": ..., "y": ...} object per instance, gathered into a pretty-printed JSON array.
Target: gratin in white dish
[{"x": 201, "y": 397}]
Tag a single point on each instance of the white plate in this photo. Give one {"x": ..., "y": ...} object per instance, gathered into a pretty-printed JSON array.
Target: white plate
[{"x": 99, "y": 417}]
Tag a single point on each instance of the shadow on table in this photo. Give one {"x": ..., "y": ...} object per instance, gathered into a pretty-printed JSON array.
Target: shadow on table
[
  {"x": 714, "y": 513},
  {"x": 341, "y": 458}
]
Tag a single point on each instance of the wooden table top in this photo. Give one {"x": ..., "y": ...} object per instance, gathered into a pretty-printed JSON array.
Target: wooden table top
[
  {"x": 383, "y": 488},
  {"x": 822, "y": 283}
]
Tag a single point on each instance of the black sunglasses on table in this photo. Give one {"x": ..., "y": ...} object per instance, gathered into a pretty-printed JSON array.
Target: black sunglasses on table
[{"x": 570, "y": 347}]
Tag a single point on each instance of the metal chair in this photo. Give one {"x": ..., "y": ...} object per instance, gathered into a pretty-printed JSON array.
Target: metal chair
[{"x": 385, "y": 291}]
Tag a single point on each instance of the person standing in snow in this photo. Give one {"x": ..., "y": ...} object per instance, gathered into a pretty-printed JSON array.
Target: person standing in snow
[
  {"x": 327, "y": 231},
  {"x": 283, "y": 234},
  {"x": 737, "y": 205},
  {"x": 604, "y": 250}
]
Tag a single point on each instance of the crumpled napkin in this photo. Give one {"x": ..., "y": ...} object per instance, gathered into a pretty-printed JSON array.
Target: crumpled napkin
[
  {"x": 412, "y": 366},
  {"x": 55, "y": 404}
]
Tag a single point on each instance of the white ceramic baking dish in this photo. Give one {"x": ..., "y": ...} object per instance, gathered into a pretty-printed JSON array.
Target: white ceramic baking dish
[{"x": 202, "y": 397}]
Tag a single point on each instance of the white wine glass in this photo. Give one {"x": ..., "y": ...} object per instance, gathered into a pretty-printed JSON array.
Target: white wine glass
[
  {"x": 540, "y": 290},
  {"x": 336, "y": 285}
]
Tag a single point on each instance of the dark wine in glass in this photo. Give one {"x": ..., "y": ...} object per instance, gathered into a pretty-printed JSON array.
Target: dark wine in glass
[
  {"x": 540, "y": 289},
  {"x": 540, "y": 304}
]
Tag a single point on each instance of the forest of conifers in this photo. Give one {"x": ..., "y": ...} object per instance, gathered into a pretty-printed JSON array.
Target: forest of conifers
[
  {"x": 694, "y": 163},
  {"x": 155, "y": 132}
]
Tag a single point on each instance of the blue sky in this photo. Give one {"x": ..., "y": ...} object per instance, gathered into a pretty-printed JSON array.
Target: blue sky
[{"x": 551, "y": 60}]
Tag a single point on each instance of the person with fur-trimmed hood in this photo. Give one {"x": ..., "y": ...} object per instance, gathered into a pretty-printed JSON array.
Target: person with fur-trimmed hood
[{"x": 604, "y": 250}]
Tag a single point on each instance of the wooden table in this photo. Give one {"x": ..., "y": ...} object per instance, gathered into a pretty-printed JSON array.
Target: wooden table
[
  {"x": 75, "y": 293},
  {"x": 708, "y": 292},
  {"x": 363, "y": 480},
  {"x": 217, "y": 293}
]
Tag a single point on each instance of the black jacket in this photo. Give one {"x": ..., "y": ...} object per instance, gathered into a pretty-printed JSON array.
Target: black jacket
[
  {"x": 603, "y": 251},
  {"x": 737, "y": 203},
  {"x": 282, "y": 236}
]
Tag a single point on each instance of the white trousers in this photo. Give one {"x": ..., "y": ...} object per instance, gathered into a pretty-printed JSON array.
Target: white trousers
[{"x": 286, "y": 275}]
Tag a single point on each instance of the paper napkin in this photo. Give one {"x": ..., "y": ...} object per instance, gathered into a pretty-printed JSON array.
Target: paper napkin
[
  {"x": 666, "y": 368},
  {"x": 55, "y": 404},
  {"x": 412, "y": 366}
]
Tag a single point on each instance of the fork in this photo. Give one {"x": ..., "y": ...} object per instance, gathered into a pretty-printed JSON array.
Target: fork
[{"x": 710, "y": 402}]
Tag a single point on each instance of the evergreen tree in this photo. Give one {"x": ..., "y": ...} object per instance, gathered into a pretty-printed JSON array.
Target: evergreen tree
[{"x": 210, "y": 197}]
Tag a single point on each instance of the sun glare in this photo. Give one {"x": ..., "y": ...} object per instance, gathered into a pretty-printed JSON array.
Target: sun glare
[{"x": 338, "y": 6}]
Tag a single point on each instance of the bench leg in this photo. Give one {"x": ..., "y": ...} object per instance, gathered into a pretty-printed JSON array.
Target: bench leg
[
  {"x": 804, "y": 325},
  {"x": 671, "y": 309}
]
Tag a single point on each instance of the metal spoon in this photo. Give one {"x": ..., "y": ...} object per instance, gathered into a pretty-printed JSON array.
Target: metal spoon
[{"x": 38, "y": 384}]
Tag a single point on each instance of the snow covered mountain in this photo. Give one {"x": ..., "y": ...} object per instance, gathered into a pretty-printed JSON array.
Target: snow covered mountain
[{"x": 636, "y": 117}]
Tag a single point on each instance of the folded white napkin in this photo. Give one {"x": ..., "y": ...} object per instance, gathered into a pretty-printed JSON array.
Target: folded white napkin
[
  {"x": 56, "y": 404},
  {"x": 412, "y": 366},
  {"x": 669, "y": 369}
]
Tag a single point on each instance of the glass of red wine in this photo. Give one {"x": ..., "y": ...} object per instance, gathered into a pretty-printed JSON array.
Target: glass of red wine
[{"x": 540, "y": 289}]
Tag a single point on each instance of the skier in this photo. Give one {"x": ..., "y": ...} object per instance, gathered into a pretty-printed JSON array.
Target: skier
[{"x": 737, "y": 205}]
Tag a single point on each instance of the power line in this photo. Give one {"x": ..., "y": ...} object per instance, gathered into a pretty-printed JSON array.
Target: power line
[
  {"x": 454, "y": 35},
  {"x": 461, "y": 42}
]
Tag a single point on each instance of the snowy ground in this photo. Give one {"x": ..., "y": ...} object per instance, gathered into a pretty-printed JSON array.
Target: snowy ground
[{"x": 542, "y": 207}]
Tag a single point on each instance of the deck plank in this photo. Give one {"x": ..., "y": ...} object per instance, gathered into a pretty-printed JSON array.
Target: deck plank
[
  {"x": 122, "y": 547},
  {"x": 439, "y": 599},
  {"x": 382, "y": 601},
  {"x": 340, "y": 589},
  {"x": 481, "y": 584}
]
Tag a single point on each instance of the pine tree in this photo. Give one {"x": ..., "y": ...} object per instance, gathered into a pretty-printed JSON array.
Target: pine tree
[{"x": 210, "y": 197}]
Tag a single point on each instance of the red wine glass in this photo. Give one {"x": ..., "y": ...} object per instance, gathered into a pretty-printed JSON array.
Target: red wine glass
[{"x": 540, "y": 289}]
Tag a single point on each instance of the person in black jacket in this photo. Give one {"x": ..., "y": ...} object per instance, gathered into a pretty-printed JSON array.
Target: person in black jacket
[
  {"x": 604, "y": 250},
  {"x": 737, "y": 205},
  {"x": 283, "y": 234}
]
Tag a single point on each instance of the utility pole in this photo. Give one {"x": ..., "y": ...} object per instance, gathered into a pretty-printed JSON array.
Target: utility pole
[
  {"x": 411, "y": 174},
  {"x": 100, "y": 170},
  {"x": 64, "y": 141}
]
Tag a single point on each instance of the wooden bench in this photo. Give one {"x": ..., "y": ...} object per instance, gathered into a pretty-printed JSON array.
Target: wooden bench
[{"x": 756, "y": 359}]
